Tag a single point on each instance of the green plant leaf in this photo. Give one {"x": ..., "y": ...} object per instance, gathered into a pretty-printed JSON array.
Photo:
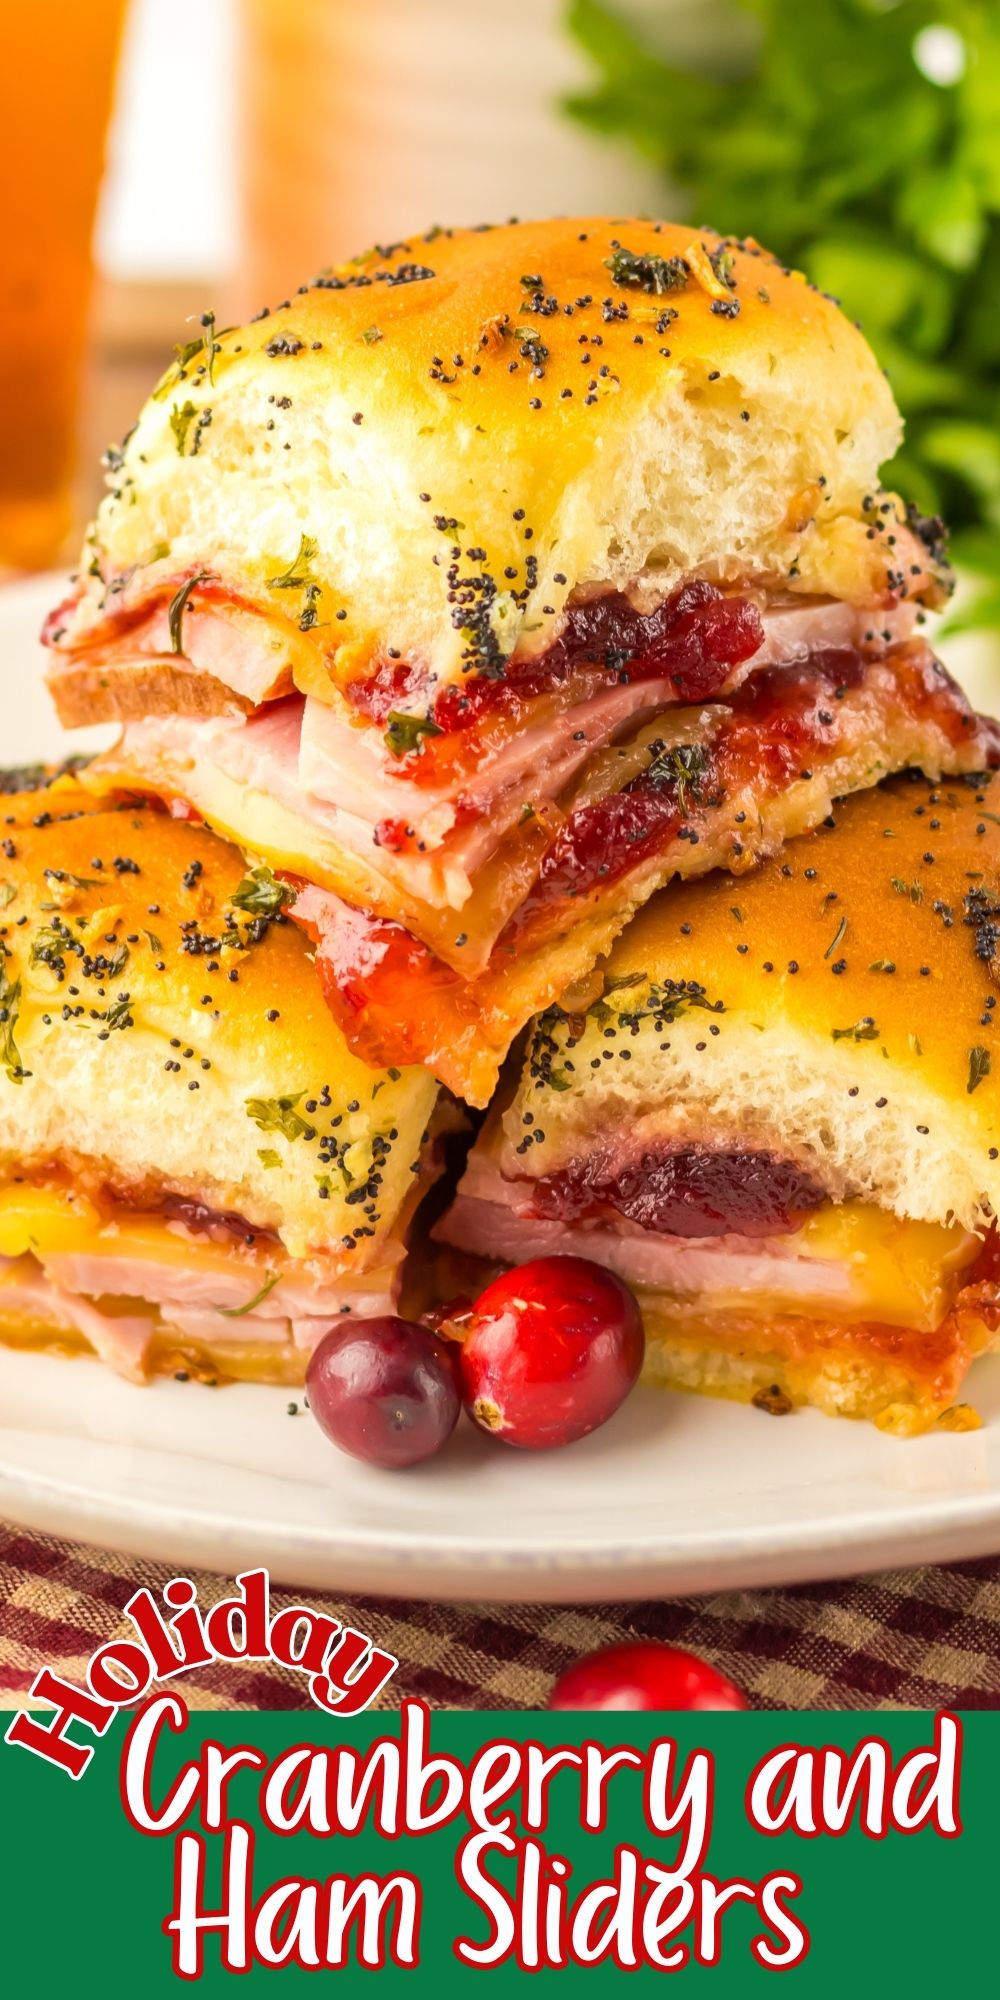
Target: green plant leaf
[
  {"x": 919, "y": 384},
  {"x": 969, "y": 449},
  {"x": 978, "y": 550},
  {"x": 613, "y": 43},
  {"x": 981, "y": 614},
  {"x": 814, "y": 129},
  {"x": 943, "y": 212}
]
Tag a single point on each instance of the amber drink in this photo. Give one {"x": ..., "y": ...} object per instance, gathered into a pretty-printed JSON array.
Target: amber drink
[{"x": 56, "y": 83}]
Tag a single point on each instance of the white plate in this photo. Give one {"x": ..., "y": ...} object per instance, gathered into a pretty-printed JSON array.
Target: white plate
[{"x": 676, "y": 1494}]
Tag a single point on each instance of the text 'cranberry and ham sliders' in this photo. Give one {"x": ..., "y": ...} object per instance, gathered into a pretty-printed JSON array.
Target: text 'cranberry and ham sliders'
[
  {"x": 494, "y": 579},
  {"x": 779, "y": 1122},
  {"x": 196, "y": 1173}
]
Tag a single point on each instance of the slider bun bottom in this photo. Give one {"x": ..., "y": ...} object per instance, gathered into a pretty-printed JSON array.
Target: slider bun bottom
[
  {"x": 910, "y": 1385},
  {"x": 905, "y": 1383},
  {"x": 171, "y": 1353}
]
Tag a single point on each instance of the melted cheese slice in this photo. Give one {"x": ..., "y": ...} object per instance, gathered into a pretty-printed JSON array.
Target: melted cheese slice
[
  {"x": 850, "y": 1262},
  {"x": 50, "y": 1222},
  {"x": 902, "y": 1273}
]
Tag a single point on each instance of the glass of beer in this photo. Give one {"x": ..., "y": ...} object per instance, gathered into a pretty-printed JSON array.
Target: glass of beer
[{"x": 56, "y": 84}]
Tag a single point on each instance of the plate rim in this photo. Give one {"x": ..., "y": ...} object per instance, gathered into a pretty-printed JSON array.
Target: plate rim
[{"x": 964, "y": 1527}]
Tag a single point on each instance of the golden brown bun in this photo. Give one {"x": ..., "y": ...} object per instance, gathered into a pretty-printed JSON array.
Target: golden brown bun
[
  {"x": 140, "y": 1056},
  {"x": 564, "y": 425},
  {"x": 837, "y": 1007}
]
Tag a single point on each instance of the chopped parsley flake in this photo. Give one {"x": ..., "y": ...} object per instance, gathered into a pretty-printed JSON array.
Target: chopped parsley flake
[
  {"x": 406, "y": 732},
  {"x": 181, "y": 418},
  {"x": 119, "y": 1014},
  {"x": 684, "y": 766},
  {"x": 834, "y": 941},
  {"x": 62, "y": 875},
  {"x": 647, "y": 273},
  {"x": 723, "y": 264},
  {"x": 979, "y": 1066},
  {"x": 260, "y": 894},
  {"x": 177, "y": 606},
  {"x": 238, "y": 1312},
  {"x": 864, "y": 1030},
  {"x": 278, "y": 1114},
  {"x": 299, "y": 572},
  {"x": 10, "y": 1007}
]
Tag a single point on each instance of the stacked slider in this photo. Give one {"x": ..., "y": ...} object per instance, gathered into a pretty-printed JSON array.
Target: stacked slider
[
  {"x": 494, "y": 583},
  {"x": 779, "y": 1121},
  {"x": 196, "y": 1173},
  {"x": 494, "y": 580}
]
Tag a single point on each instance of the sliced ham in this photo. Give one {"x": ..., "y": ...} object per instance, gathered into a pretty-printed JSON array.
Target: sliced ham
[
  {"x": 169, "y": 1285},
  {"x": 350, "y": 765},
  {"x": 183, "y": 1303},
  {"x": 120, "y": 1340},
  {"x": 494, "y": 1217},
  {"x": 330, "y": 769},
  {"x": 86, "y": 690},
  {"x": 230, "y": 648},
  {"x": 709, "y": 1269},
  {"x": 205, "y": 1330},
  {"x": 230, "y": 642},
  {"x": 797, "y": 627}
]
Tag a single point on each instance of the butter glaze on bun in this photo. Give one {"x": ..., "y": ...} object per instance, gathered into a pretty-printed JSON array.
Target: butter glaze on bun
[{"x": 430, "y": 450}]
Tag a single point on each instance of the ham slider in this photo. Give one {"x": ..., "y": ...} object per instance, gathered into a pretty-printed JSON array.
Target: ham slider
[
  {"x": 196, "y": 1174},
  {"x": 779, "y": 1121},
  {"x": 494, "y": 579}
]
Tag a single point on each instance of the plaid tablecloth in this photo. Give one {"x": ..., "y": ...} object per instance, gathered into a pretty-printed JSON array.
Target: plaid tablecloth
[{"x": 907, "y": 1639}]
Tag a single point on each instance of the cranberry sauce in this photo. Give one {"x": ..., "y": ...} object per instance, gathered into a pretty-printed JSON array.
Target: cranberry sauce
[
  {"x": 780, "y": 723},
  {"x": 694, "y": 1192},
  {"x": 359, "y": 952},
  {"x": 365, "y": 963},
  {"x": 694, "y": 639},
  {"x": 603, "y": 841},
  {"x": 773, "y": 726},
  {"x": 221, "y": 1224}
]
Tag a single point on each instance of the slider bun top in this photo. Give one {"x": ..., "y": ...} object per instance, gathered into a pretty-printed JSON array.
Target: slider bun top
[
  {"x": 838, "y": 1007},
  {"x": 136, "y": 1045},
  {"x": 431, "y": 447}
]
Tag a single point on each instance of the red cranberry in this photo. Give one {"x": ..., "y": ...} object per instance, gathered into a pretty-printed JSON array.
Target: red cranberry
[
  {"x": 553, "y": 1348},
  {"x": 384, "y": 1390},
  {"x": 644, "y": 1676}
]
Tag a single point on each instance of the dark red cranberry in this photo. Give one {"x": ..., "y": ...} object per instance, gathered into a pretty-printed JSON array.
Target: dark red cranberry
[
  {"x": 644, "y": 1676},
  {"x": 694, "y": 1191},
  {"x": 553, "y": 1348},
  {"x": 602, "y": 841},
  {"x": 384, "y": 1390}
]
